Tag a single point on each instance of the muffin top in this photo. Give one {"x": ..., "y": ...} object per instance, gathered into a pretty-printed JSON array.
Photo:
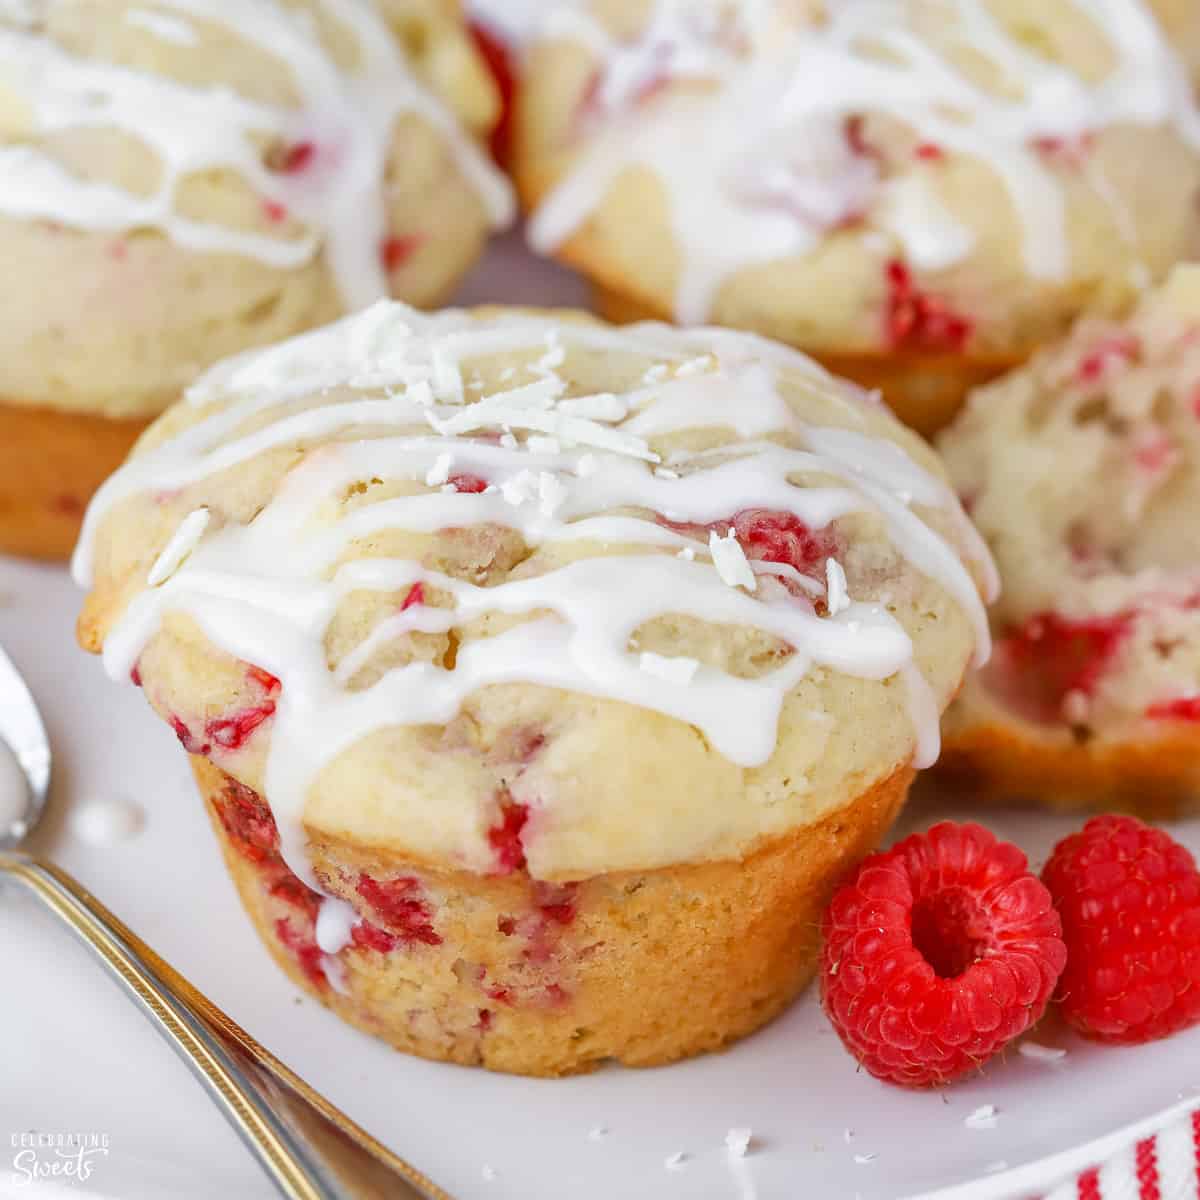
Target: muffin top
[
  {"x": 918, "y": 176},
  {"x": 504, "y": 588},
  {"x": 198, "y": 176},
  {"x": 1082, "y": 471}
]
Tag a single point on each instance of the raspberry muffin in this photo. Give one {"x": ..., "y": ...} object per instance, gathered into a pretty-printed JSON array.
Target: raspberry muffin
[
  {"x": 539, "y": 677},
  {"x": 1082, "y": 471},
  {"x": 182, "y": 179},
  {"x": 919, "y": 193}
]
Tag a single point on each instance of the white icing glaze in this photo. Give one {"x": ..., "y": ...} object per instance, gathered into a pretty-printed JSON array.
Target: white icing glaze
[
  {"x": 266, "y": 591},
  {"x": 14, "y": 789},
  {"x": 335, "y": 922},
  {"x": 758, "y": 166},
  {"x": 107, "y": 822},
  {"x": 348, "y": 118}
]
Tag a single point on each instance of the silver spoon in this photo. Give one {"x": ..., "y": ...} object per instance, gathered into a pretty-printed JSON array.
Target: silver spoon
[{"x": 310, "y": 1150}]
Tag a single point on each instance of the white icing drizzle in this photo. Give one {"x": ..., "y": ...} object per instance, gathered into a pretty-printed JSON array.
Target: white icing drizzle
[
  {"x": 169, "y": 29},
  {"x": 758, "y": 166},
  {"x": 348, "y": 119},
  {"x": 335, "y": 922},
  {"x": 266, "y": 591}
]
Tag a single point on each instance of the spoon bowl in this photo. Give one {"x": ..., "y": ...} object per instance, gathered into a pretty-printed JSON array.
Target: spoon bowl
[
  {"x": 310, "y": 1150},
  {"x": 24, "y": 758}
]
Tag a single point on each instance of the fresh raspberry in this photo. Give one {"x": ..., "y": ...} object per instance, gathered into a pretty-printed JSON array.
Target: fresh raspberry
[
  {"x": 937, "y": 953},
  {"x": 1129, "y": 898}
]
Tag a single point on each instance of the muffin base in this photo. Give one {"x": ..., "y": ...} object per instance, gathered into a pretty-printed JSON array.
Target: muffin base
[
  {"x": 644, "y": 967},
  {"x": 924, "y": 390},
  {"x": 1157, "y": 779},
  {"x": 50, "y": 465}
]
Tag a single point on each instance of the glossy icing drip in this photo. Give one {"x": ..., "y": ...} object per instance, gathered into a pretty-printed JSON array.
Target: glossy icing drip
[
  {"x": 559, "y": 468},
  {"x": 345, "y": 119},
  {"x": 759, "y": 161}
]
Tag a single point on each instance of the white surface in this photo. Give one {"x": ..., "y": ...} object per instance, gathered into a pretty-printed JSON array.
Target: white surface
[{"x": 76, "y": 1056}]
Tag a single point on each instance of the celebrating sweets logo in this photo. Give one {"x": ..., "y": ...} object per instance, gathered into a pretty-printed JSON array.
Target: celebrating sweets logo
[{"x": 66, "y": 1156}]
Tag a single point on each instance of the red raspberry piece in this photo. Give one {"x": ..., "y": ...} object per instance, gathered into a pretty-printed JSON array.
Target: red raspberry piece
[
  {"x": 499, "y": 61},
  {"x": 929, "y": 152},
  {"x": 856, "y": 139},
  {"x": 781, "y": 537},
  {"x": 937, "y": 953},
  {"x": 416, "y": 595},
  {"x": 394, "y": 252},
  {"x": 232, "y": 733},
  {"x": 505, "y": 837},
  {"x": 1129, "y": 898},
  {"x": 1182, "y": 708},
  {"x": 918, "y": 321},
  {"x": 403, "y": 908},
  {"x": 1109, "y": 354},
  {"x": 1039, "y": 664},
  {"x": 371, "y": 937},
  {"x": 1066, "y": 151},
  {"x": 248, "y": 822},
  {"x": 467, "y": 483},
  {"x": 308, "y": 954},
  {"x": 291, "y": 160},
  {"x": 187, "y": 739}
]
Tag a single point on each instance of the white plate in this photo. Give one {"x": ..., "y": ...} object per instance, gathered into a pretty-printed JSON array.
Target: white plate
[{"x": 76, "y": 1057}]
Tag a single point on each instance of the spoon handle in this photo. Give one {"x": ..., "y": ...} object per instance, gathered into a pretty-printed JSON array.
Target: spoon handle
[{"x": 310, "y": 1150}]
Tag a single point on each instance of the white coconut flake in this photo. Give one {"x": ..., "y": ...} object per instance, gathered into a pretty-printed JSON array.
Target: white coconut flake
[
  {"x": 603, "y": 406},
  {"x": 694, "y": 366},
  {"x": 656, "y": 373},
  {"x": 520, "y": 488},
  {"x": 674, "y": 670},
  {"x": 666, "y": 473},
  {"x": 837, "y": 598},
  {"x": 544, "y": 445},
  {"x": 688, "y": 553},
  {"x": 730, "y": 560},
  {"x": 1040, "y": 1053},
  {"x": 508, "y": 441},
  {"x": 737, "y": 1141},
  {"x": 984, "y": 1117},
  {"x": 182, "y": 543},
  {"x": 440, "y": 471},
  {"x": 551, "y": 493},
  {"x": 587, "y": 465},
  {"x": 863, "y": 1159},
  {"x": 676, "y": 1161}
]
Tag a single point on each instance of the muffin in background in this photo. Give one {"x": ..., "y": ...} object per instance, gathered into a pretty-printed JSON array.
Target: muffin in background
[
  {"x": 182, "y": 179},
  {"x": 1082, "y": 472},
  {"x": 918, "y": 193},
  {"x": 540, "y": 677}
]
